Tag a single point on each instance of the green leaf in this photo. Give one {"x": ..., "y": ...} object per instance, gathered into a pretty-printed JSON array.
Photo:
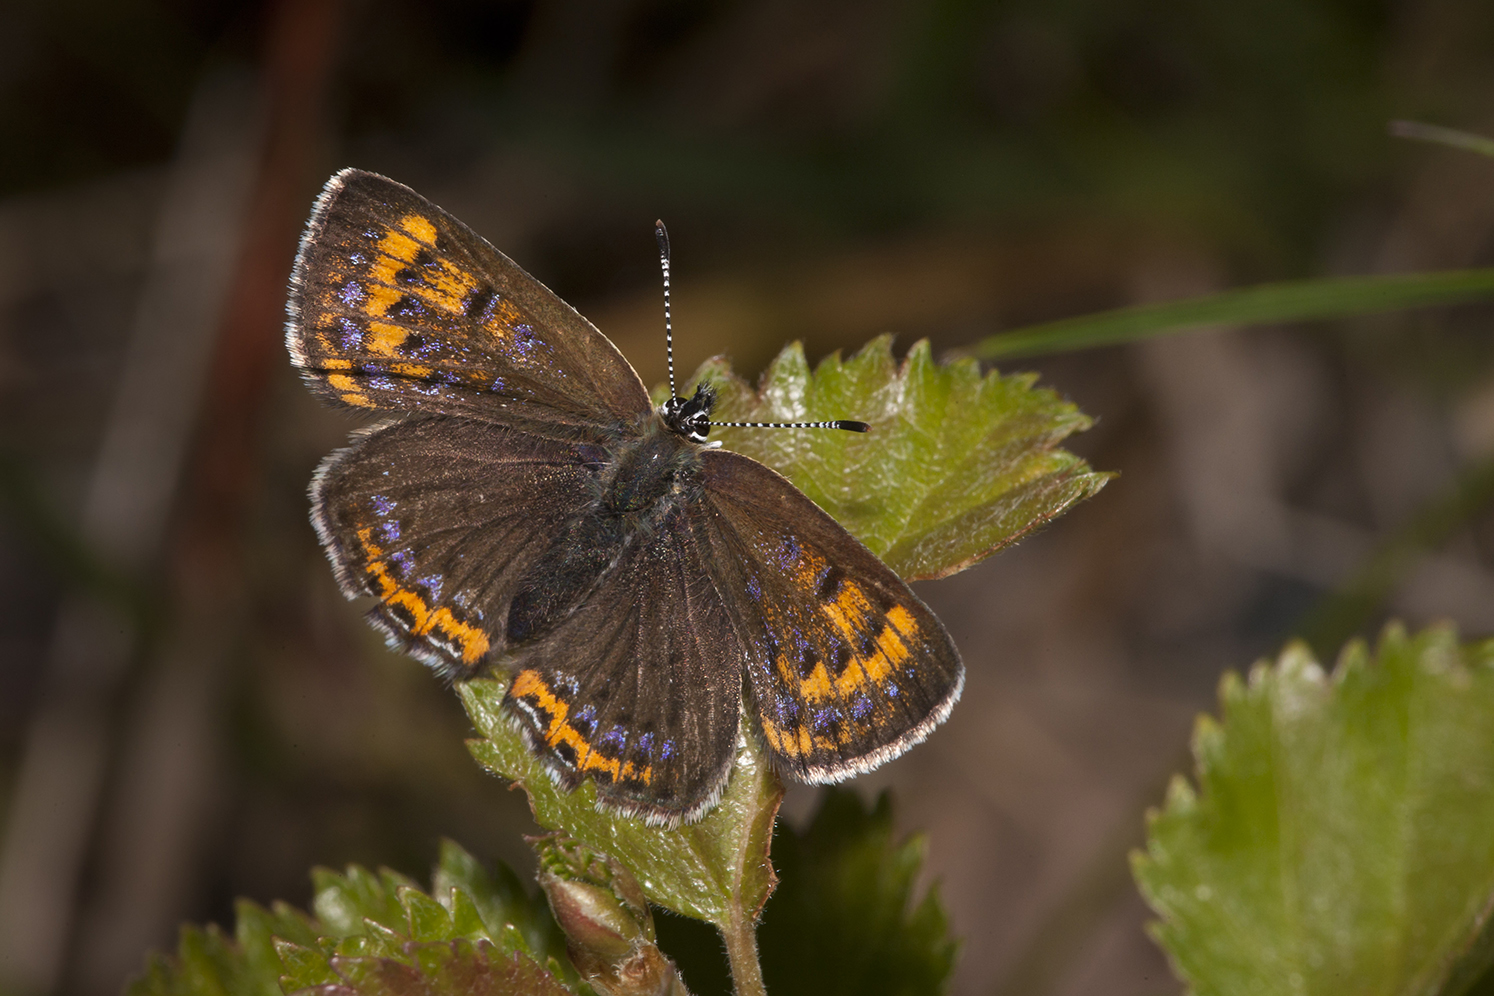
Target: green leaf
[
  {"x": 845, "y": 920},
  {"x": 345, "y": 902},
  {"x": 1341, "y": 839},
  {"x": 445, "y": 968},
  {"x": 208, "y": 963},
  {"x": 1288, "y": 301},
  {"x": 378, "y": 934},
  {"x": 956, "y": 466},
  {"x": 712, "y": 870},
  {"x": 499, "y": 903}
]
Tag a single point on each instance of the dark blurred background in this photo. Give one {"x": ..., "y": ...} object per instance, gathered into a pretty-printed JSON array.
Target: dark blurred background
[{"x": 189, "y": 710}]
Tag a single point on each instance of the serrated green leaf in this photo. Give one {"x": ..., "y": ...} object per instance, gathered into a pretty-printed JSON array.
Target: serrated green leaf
[
  {"x": 1342, "y": 836},
  {"x": 427, "y": 918},
  {"x": 208, "y": 963},
  {"x": 343, "y": 901},
  {"x": 505, "y": 912},
  {"x": 304, "y": 966},
  {"x": 845, "y": 920},
  {"x": 372, "y": 921},
  {"x": 257, "y": 932},
  {"x": 706, "y": 870},
  {"x": 446, "y": 968},
  {"x": 956, "y": 465}
]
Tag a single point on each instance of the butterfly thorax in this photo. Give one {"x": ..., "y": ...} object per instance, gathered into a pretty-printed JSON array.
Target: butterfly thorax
[{"x": 646, "y": 472}]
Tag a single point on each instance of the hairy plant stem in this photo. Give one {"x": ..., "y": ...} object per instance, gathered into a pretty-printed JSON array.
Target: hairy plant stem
[{"x": 740, "y": 935}]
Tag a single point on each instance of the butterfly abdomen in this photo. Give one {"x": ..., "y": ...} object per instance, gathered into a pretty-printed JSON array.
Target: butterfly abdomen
[
  {"x": 637, "y": 495},
  {"x": 563, "y": 576}
]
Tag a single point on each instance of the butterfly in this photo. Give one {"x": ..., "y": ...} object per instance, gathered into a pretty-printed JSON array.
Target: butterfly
[{"x": 523, "y": 508}]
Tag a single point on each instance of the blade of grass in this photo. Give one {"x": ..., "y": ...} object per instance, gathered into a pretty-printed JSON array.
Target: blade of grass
[
  {"x": 1295, "y": 300},
  {"x": 1443, "y": 136}
]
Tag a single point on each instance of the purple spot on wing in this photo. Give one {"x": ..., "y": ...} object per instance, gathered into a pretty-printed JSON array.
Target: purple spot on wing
[
  {"x": 646, "y": 743},
  {"x": 352, "y": 335},
  {"x": 614, "y": 738},
  {"x": 890, "y": 687},
  {"x": 497, "y": 385},
  {"x": 404, "y": 560},
  {"x": 358, "y": 258},
  {"x": 587, "y": 713},
  {"x": 390, "y": 531},
  {"x": 524, "y": 341},
  {"x": 432, "y": 584},
  {"x": 351, "y": 294},
  {"x": 800, "y": 643},
  {"x": 861, "y": 707},
  {"x": 667, "y": 751},
  {"x": 382, "y": 505},
  {"x": 382, "y": 383},
  {"x": 786, "y": 711},
  {"x": 755, "y": 588},
  {"x": 825, "y": 721},
  {"x": 788, "y": 552}
]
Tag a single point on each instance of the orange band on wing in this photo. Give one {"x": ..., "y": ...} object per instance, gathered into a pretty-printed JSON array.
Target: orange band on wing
[
  {"x": 470, "y": 641},
  {"x": 529, "y": 685}
]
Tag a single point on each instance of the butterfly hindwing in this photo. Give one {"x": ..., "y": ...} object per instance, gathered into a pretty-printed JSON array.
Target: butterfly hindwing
[
  {"x": 846, "y": 667},
  {"x": 396, "y": 305},
  {"x": 640, "y": 688},
  {"x": 438, "y": 518}
]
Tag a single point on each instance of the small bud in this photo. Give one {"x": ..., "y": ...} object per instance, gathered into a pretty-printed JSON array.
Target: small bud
[{"x": 608, "y": 928}]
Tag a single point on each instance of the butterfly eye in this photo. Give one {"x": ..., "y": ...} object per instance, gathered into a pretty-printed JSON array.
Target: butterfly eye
[{"x": 690, "y": 418}]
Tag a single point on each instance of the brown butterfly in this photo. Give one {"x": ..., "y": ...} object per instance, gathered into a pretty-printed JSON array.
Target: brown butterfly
[{"x": 524, "y": 507}]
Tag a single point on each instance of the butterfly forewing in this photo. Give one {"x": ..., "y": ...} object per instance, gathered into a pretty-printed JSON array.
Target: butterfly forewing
[
  {"x": 438, "y": 518},
  {"x": 396, "y": 305},
  {"x": 847, "y": 668},
  {"x": 640, "y": 688}
]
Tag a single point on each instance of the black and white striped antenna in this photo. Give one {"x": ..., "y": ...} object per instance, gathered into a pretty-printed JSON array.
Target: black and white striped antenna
[
  {"x": 662, "y": 234},
  {"x": 850, "y": 425}
]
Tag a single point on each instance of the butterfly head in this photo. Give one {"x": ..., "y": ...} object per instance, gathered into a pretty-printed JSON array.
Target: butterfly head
[{"x": 690, "y": 417}]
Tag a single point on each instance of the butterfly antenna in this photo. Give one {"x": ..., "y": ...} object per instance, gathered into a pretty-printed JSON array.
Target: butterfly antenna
[
  {"x": 841, "y": 423},
  {"x": 662, "y": 234}
]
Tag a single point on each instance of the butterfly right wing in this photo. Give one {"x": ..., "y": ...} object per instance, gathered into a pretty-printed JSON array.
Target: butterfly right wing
[
  {"x": 397, "y": 305},
  {"x": 438, "y": 518},
  {"x": 847, "y": 668}
]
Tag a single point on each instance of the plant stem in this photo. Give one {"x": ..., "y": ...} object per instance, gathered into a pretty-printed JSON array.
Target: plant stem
[{"x": 740, "y": 935}]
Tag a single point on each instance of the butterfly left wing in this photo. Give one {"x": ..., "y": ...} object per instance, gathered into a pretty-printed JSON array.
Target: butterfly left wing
[
  {"x": 640, "y": 688},
  {"x": 846, "y": 667},
  {"x": 438, "y": 519},
  {"x": 397, "y": 305}
]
